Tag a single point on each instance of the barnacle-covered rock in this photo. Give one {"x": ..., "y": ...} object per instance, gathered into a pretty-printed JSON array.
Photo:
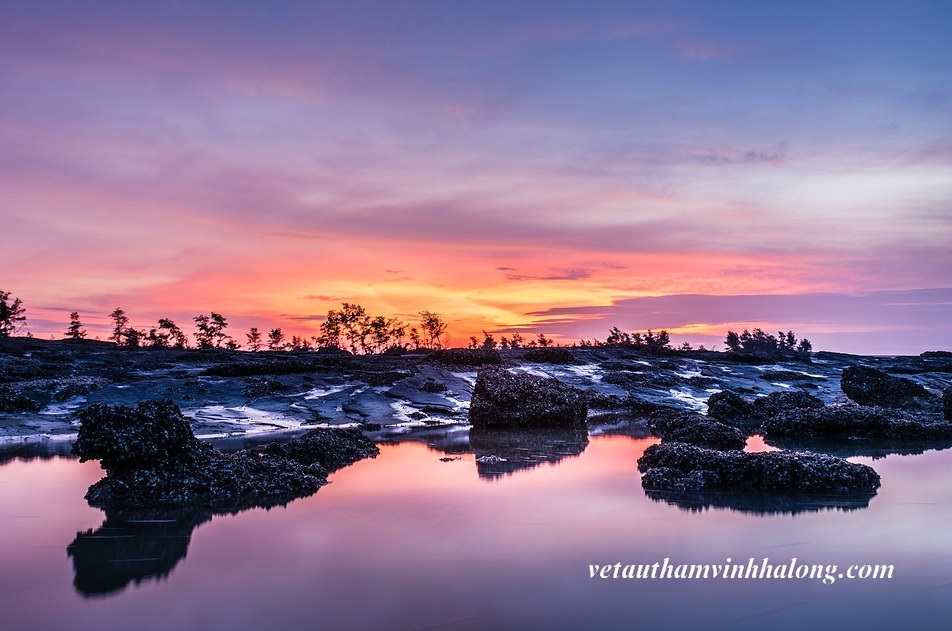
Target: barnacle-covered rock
[
  {"x": 509, "y": 399},
  {"x": 152, "y": 458},
  {"x": 686, "y": 468}
]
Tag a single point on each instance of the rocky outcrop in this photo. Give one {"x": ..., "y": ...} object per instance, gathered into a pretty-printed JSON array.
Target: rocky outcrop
[
  {"x": 849, "y": 422},
  {"x": 947, "y": 403},
  {"x": 465, "y": 356},
  {"x": 508, "y": 399},
  {"x": 732, "y": 409},
  {"x": 869, "y": 386},
  {"x": 151, "y": 458},
  {"x": 685, "y": 427},
  {"x": 685, "y": 468}
]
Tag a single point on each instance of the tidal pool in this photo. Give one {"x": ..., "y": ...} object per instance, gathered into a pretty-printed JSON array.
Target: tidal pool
[{"x": 408, "y": 541}]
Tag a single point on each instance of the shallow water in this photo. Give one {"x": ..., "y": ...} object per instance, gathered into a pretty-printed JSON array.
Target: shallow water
[{"x": 407, "y": 541}]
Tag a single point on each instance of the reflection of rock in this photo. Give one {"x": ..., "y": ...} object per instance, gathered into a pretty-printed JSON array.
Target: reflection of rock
[
  {"x": 685, "y": 427},
  {"x": 41, "y": 450},
  {"x": 868, "y": 386},
  {"x": 761, "y": 503},
  {"x": 517, "y": 449},
  {"x": 857, "y": 447},
  {"x": 686, "y": 468},
  {"x": 130, "y": 547},
  {"x": 152, "y": 459},
  {"x": 849, "y": 422},
  {"x": 506, "y": 399}
]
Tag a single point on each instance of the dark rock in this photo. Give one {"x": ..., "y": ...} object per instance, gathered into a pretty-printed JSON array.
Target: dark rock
[
  {"x": 729, "y": 408},
  {"x": 869, "y": 386},
  {"x": 151, "y": 458},
  {"x": 12, "y": 401},
  {"x": 255, "y": 388},
  {"x": 774, "y": 403},
  {"x": 947, "y": 403},
  {"x": 549, "y": 356},
  {"x": 507, "y": 399},
  {"x": 466, "y": 356},
  {"x": 332, "y": 449},
  {"x": 686, "y": 427},
  {"x": 848, "y": 422},
  {"x": 686, "y": 468}
]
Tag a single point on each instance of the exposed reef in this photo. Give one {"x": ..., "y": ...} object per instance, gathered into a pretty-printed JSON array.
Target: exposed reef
[
  {"x": 869, "y": 386},
  {"x": 686, "y": 427},
  {"x": 853, "y": 422},
  {"x": 152, "y": 458},
  {"x": 685, "y": 468},
  {"x": 502, "y": 398}
]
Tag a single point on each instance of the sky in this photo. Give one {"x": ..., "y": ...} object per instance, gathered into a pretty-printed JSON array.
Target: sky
[{"x": 555, "y": 167}]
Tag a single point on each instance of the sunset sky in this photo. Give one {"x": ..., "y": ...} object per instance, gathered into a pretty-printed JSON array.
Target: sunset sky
[{"x": 556, "y": 167}]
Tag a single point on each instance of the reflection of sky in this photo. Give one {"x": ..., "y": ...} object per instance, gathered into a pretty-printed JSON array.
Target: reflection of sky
[
  {"x": 406, "y": 541},
  {"x": 478, "y": 159}
]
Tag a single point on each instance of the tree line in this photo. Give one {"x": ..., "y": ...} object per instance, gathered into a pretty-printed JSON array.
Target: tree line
[{"x": 352, "y": 328}]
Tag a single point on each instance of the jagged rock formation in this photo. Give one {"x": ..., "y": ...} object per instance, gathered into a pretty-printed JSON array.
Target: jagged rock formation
[
  {"x": 152, "y": 459},
  {"x": 508, "y": 399}
]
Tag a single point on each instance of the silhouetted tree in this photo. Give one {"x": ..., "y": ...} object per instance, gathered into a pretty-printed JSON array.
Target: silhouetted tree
[
  {"x": 543, "y": 341},
  {"x": 433, "y": 329},
  {"x": 254, "y": 339},
  {"x": 276, "y": 340},
  {"x": 489, "y": 342},
  {"x": 12, "y": 317},
  {"x": 172, "y": 334},
  {"x": 210, "y": 330},
  {"x": 76, "y": 330},
  {"x": 300, "y": 343},
  {"x": 759, "y": 342},
  {"x": 120, "y": 324}
]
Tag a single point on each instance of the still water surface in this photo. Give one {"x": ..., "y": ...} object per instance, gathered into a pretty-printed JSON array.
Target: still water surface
[{"x": 409, "y": 542}]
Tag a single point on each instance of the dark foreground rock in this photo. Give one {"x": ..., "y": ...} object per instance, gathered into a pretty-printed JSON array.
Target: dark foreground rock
[
  {"x": 509, "y": 399},
  {"x": 685, "y": 468},
  {"x": 869, "y": 386},
  {"x": 151, "y": 458},
  {"x": 947, "y": 403},
  {"x": 856, "y": 422},
  {"x": 685, "y": 427}
]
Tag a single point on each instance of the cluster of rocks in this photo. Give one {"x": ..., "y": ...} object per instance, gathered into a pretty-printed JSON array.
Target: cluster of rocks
[
  {"x": 152, "y": 458},
  {"x": 697, "y": 455}
]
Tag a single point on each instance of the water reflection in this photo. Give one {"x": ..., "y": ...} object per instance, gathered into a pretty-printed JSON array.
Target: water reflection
[
  {"x": 762, "y": 504},
  {"x": 874, "y": 449},
  {"x": 40, "y": 450},
  {"x": 131, "y": 547},
  {"x": 503, "y": 452}
]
